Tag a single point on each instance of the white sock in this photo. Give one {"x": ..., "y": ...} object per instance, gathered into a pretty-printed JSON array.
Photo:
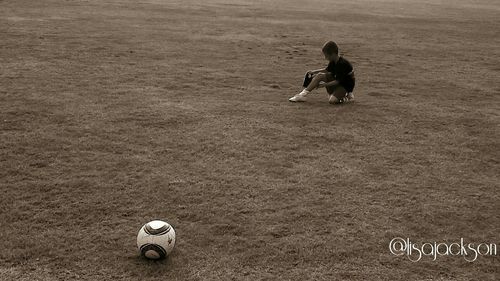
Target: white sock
[{"x": 304, "y": 92}]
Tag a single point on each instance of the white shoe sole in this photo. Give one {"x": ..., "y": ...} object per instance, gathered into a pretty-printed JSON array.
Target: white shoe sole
[{"x": 296, "y": 99}]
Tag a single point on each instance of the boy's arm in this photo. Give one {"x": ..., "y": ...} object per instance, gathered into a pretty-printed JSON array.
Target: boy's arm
[
  {"x": 316, "y": 71},
  {"x": 335, "y": 82},
  {"x": 328, "y": 84}
]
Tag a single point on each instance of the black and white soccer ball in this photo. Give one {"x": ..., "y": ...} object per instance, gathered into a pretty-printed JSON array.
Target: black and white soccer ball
[{"x": 156, "y": 240}]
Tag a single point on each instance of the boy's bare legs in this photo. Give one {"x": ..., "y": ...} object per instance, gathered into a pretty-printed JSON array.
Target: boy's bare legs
[
  {"x": 313, "y": 85},
  {"x": 338, "y": 96},
  {"x": 320, "y": 77}
]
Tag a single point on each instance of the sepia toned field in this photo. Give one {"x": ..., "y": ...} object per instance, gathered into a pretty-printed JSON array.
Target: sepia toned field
[{"x": 117, "y": 112}]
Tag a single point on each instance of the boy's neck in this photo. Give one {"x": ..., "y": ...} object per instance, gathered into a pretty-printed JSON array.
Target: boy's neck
[{"x": 336, "y": 59}]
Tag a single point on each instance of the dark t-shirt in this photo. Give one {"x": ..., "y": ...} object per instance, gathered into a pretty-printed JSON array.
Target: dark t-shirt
[{"x": 342, "y": 72}]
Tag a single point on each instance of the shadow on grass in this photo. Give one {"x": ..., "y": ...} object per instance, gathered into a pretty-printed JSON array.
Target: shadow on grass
[{"x": 144, "y": 269}]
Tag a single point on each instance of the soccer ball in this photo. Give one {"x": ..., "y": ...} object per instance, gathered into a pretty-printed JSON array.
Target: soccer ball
[{"x": 156, "y": 240}]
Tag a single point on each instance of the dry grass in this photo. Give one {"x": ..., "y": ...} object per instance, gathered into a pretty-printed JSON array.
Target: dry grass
[{"x": 113, "y": 113}]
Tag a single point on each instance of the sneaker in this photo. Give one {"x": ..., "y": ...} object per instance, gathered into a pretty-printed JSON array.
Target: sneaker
[
  {"x": 298, "y": 98},
  {"x": 350, "y": 96}
]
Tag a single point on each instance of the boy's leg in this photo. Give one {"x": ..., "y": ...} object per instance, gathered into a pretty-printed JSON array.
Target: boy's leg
[
  {"x": 312, "y": 85},
  {"x": 320, "y": 77},
  {"x": 337, "y": 94}
]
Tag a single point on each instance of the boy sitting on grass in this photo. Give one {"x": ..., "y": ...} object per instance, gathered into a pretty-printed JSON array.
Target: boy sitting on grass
[{"x": 337, "y": 78}]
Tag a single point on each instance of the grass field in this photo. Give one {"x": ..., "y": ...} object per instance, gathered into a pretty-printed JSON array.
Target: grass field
[{"x": 117, "y": 112}]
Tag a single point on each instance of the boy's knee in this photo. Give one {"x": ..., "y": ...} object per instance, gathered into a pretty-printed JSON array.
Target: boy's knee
[
  {"x": 340, "y": 93},
  {"x": 320, "y": 76}
]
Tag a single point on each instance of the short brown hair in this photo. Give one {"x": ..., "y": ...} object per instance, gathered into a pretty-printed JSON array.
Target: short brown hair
[{"x": 330, "y": 48}]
